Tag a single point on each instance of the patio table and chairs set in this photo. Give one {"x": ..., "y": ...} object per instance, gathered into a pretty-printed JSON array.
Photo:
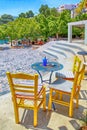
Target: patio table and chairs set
[{"x": 25, "y": 88}]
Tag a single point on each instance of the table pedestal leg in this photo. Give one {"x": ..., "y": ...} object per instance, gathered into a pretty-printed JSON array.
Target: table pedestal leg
[
  {"x": 40, "y": 76},
  {"x": 50, "y": 77},
  {"x": 49, "y": 83},
  {"x": 45, "y": 80},
  {"x": 53, "y": 106}
]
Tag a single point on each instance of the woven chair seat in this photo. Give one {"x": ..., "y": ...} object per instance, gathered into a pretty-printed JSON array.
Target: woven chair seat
[
  {"x": 62, "y": 85},
  {"x": 64, "y": 74}
]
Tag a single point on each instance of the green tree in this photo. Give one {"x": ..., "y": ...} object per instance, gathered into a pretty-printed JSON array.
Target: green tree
[
  {"x": 22, "y": 15},
  {"x": 45, "y": 10},
  {"x": 11, "y": 31},
  {"x": 5, "y": 18},
  {"x": 2, "y": 32},
  {"x": 48, "y": 23},
  {"x": 54, "y": 12},
  {"x": 43, "y": 26},
  {"x": 81, "y": 17},
  {"x": 53, "y": 26},
  {"x": 29, "y": 14},
  {"x": 62, "y": 22}
]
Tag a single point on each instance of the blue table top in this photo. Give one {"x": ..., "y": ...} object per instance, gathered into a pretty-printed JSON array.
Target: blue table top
[
  {"x": 51, "y": 66},
  {"x": 82, "y": 52}
]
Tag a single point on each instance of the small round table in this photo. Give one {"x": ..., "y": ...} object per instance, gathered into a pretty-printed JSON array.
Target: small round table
[
  {"x": 83, "y": 53},
  {"x": 50, "y": 67}
]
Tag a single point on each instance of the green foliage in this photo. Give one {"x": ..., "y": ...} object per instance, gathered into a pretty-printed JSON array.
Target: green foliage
[
  {"x": 48, "y": 23},
  {"x": 63, "y": 20},
  {"x": 29, "y": 14},
  {"x": 77, "y": 31},
  {"x": 54, "y": 12},
  {"x": 6, "y": 18},
  {"x": 81, "y": 17},
  {"x": 45, "y": 10},
  {"x": 53, "y": 25},
  {"x": 22, "y": 28},
  {"x": 22, "y": 15}
]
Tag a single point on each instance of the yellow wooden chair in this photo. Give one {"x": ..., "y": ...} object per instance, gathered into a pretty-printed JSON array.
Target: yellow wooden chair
[
  {"x": 61, "y": 87},
  {"x": 24, "y": 89},
  {"x": 69, "y": 75}
]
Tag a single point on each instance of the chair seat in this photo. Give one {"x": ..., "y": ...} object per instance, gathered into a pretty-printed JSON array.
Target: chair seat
[
  {"x": 62, "y": 85},
  {"x": 64, "y": 74}
]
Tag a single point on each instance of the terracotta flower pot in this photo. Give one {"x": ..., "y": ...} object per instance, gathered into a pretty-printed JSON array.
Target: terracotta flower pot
[{"x": 83, "y": 128}]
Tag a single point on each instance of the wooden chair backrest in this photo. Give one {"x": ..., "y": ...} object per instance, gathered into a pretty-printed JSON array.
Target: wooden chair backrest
[
  {"x": 77, "y": 82},
  {"x": 76, "y": 64},
  {"x": 19, "y": 83}
]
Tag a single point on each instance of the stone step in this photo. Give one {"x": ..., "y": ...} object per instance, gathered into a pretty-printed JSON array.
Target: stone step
[
  {"x": 55, "y": 54},
  {"x": 65, "y": 49},
  {"x": 79, "y": 47},
  {"x": 54, "y": 49}
]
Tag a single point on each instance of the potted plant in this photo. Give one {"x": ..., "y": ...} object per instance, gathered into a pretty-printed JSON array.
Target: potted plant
[{"x": 84, "y": 120}]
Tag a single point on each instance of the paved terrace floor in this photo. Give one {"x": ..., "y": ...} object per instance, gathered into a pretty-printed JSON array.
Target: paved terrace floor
[{"x": 49, "y": 120}]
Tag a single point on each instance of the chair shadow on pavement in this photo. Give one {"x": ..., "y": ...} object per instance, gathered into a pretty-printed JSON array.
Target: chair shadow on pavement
[
  {"x": 77, "y": 113},
  {"x": 83, "y": 95},
  {"x": 43, "y": 120},
  {"x": 62, "y": 128}
]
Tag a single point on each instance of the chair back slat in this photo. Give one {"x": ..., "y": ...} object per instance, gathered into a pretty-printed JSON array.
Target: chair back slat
[
  {"x": 22, "y": 76},
  {"x": 77, "y": 81},
  {"x": 23, "y": 83},
  {"x": 22, "y": 86},
  {"x": 77, "y": 64},
  {"x": 25, "y": 90}
]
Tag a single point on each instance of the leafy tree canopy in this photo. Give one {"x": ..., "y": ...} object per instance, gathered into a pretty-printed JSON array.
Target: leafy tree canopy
[
  {"x": 5, "y": 18},
  {"x": 29, "y": 14},
  {"x": 48, "y": 23},
  {"x": 22, "y": 15},
  {"x": 45, "y": 10}
]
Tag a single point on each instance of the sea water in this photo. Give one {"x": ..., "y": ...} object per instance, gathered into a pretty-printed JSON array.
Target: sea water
[{"x": 3, "y": 41}]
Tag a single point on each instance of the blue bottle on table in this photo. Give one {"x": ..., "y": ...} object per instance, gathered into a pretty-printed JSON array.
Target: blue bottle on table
[{"x": 44, "y": 61}]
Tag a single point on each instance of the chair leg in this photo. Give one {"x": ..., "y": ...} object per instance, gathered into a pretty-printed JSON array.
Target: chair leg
[
  {"x": 71, "y": 108},
  {"x": 61, "y": 96},
  {"x": 77, "y": 102},
  {"x": 35, "y": 116},
  {"x": 16, "y": 112},
  {"x": 50, "y": 100},
  {"x": 44, "y": 102},
  {"x": 56, "y": 95}
]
